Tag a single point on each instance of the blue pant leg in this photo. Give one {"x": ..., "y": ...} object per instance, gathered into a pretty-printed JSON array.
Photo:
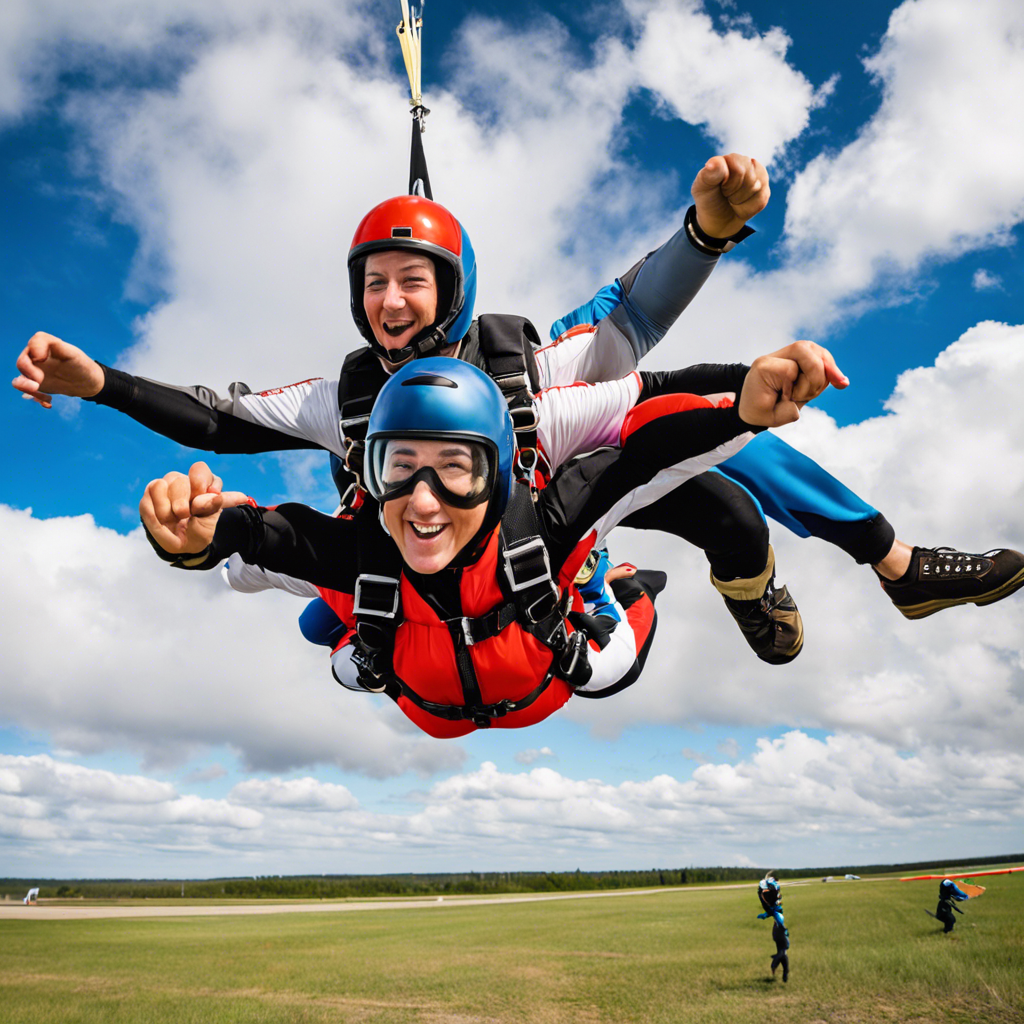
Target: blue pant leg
[
  {"x": 796, "y": 492},
  {"x": 319, "y": 624}
]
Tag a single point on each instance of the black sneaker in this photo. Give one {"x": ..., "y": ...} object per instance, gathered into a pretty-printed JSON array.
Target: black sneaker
[
  {"x": 771, "y": 624},
  {"x": 941, "y": 577}
]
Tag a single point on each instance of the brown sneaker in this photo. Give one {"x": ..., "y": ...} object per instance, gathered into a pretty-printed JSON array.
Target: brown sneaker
[
  {"x": 767, "y": 616},
  {"x": 942, "y": 577}
]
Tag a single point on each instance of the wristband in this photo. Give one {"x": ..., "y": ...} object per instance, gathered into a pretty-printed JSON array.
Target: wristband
[
  {"x": 708, "y": 243},
  {"x": 190, "y": 560}
]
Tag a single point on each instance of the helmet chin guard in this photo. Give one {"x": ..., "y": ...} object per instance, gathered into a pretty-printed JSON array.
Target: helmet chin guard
[{"x": 418, "y": 225}]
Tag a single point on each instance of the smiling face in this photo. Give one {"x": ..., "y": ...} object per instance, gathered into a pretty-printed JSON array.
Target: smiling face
[
  {"x": 430, "y": 533},
  {"x": 399, "y": 296}
]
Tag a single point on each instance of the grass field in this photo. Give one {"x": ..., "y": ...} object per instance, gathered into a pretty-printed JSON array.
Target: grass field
[{"x": 861, "y": 952}]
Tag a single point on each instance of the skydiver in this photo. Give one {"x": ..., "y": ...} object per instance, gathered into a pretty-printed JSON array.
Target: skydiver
[
  {"x": 770, "y": 894},
  {"x": 493, "y": 644},
  {"x": 949, "y": 895}
]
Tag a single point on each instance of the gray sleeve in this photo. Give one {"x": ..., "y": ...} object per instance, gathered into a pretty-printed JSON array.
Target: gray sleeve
[{"x": 656, "y": 291}]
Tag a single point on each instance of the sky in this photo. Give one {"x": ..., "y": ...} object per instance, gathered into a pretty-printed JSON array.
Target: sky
[{"x": 182, "y": 181}]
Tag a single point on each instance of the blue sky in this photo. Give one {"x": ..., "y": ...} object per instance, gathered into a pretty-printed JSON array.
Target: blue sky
[{"x": 182, "y": 183}]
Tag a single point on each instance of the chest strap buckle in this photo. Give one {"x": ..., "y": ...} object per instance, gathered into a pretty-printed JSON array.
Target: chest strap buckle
[
  {"x": 527, "y": 564},
  {"x": 376, "y": 595}
]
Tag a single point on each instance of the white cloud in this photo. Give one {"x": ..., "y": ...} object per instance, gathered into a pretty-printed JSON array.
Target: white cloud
[
  {"x": 106, "y": 38},
  {"x": 945, "y": 464},
  {"x": 166, "y": 664},
  {"x": 985, "y": 280},
  {"x": 735, "y": 83},
  {"x": 842, "y": 797},
  {"x": 304, "y": 794},
  {"x": 244, "y": 171},
  {"x": 533, "y": 755},
  {"x": 938, "y": 170}
]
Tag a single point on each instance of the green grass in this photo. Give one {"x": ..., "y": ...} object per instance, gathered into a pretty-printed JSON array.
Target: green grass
[{"x": 862, "y": 952}]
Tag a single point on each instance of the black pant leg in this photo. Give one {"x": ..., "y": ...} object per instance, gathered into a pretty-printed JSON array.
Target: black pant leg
[{"x": 715, "y": 514}]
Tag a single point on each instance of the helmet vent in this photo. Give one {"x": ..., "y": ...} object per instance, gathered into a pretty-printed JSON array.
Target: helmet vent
[
  {"x": 430, "y": 380},
  {"x": 401, "y": 232}
]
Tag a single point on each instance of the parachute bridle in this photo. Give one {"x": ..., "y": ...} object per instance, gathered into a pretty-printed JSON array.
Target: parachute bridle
[{"x": 410, "y": 33}]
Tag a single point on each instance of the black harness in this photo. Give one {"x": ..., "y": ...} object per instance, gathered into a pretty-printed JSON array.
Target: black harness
[
  {"x": 501, "y": 345},
  {"x": 532, "y": 599}
]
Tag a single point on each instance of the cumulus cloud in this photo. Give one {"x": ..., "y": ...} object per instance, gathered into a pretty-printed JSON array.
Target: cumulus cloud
[
  {"x": 244, "y": 154},
  {"x": 166, "y": 664},
  {"x": 107, "y": 38},
  {"x": 735, "y": 83},
  {"x": 945, "y": 464},
  {"x": 938, "y": 170},
  {"x": 985, "y": 280},
  {"x": 134, "y": 671},
  {"x": 533, "y": 755},
  {"x": 841, "y": 797}
]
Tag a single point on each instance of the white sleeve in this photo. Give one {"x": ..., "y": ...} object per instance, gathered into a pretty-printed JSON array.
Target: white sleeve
[
  {"x": 585, "y": 353},
  {"x": 306, "y": 409},
  {"x": 615, "y": 659},
  {"x": 583, "y": 417},
  {"x": 251, "y": 579}
]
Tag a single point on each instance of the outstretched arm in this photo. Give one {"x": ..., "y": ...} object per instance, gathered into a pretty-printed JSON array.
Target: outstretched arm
[
  {"x": 193, "y": 524},
  {"x": 774, "y": 390},
  {"x": 48, "y": 366},
  {"x": 303, "y": 415}
]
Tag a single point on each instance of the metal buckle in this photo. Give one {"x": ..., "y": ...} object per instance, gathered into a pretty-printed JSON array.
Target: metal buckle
[
  {"x": 528, "y": 458},
  {"x": 357, "y": 606},
  {"x": 523, "y": 548},
  {"x": 467, "y": 631},
  {"x": 529, "y": 410},
  {"x": 352, "y": 421},
  {"x": 348, "y": 499}
]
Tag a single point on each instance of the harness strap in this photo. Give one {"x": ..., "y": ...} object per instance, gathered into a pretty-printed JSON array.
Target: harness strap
[
  {"x": 532, "y": 596},
  {"x": 481, "y": 715},
  {"x": 503, "y": 346}
]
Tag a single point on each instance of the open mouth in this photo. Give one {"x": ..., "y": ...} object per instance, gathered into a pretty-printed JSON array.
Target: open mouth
[
  {"x": 426, "y": 530},
  {"x": 395, "y": 330}
]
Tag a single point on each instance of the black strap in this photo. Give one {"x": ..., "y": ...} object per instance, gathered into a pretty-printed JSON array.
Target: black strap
[
  {"x": 504, "y": 347},
  {"x": 418, "y": 159},
  {"x": 532, "y": 599},
  {"x": 360, "y": 380},
  {"x": 481, "y": 715}
]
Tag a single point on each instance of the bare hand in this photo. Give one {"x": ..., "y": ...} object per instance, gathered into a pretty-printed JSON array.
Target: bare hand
[
  {"x": 49, "y": 366},
  {"x": 728, "y": 191},
  {"x": 779, "y": 385},
  {"x": 181, "y": 512},
  {"x": 618, "y": 572}
]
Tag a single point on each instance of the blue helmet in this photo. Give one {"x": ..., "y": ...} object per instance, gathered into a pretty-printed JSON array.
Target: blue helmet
[{"x": 435, "y": 399}]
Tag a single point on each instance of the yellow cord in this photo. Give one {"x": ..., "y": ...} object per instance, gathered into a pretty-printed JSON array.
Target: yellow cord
[{"x": 409, "y": 32}]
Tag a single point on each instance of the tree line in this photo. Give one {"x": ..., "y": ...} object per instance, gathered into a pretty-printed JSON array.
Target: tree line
[{"x": 462, "y": 883}]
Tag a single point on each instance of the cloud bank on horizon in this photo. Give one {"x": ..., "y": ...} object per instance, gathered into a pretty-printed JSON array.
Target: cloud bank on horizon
[{"x": 193, "y": 116}]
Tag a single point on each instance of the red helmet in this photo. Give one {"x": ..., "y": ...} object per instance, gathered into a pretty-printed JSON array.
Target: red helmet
[{"x": 422, "y": 226}]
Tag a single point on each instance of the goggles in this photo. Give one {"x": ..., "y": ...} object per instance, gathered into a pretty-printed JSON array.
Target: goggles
[{"x": 460, "y": 472}]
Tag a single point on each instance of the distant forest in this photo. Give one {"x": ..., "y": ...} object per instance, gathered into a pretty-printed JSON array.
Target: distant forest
[{"x": 463, "y": 883}]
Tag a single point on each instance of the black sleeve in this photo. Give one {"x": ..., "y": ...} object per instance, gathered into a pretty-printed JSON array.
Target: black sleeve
[
  {"x": 189, "y": 416},
  {"x": 583, "y": 491},
  {"x": 292, "y": 539},
  {"x": 701, "y": 379}
]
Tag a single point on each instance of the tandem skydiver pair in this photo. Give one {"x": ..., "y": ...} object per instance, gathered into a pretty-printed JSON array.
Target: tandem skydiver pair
[{"x": 413, "y": 278}]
